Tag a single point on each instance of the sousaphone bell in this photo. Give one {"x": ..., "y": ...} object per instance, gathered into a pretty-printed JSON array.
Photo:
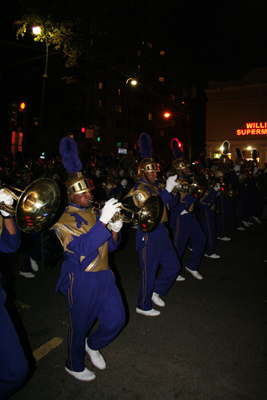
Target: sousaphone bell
[{"x": 36, "y": 206}]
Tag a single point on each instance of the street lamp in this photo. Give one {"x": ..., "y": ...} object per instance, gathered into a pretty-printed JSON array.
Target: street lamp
[{"x": 36, "y": 30}]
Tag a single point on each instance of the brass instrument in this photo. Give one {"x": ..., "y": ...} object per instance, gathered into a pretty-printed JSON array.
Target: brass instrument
[
  {"x": 147, "y": 217},
  {"x": 197, "y": 186},
  {"x": 36, "y": 206}
]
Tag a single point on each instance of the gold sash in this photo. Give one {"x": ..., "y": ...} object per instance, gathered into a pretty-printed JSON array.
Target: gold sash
[{"x": 75, "y": 222}]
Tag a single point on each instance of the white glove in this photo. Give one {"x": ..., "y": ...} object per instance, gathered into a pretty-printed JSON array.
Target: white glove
[
  {"x": 8, "y": 200},
  {"x": 98, "y": 173},
  {"x": 110, "y": 208},
  {"x": 124, "y": 183},
  {"x": 121, "y": 173},
  {"x": 236, "y": 168},
  {"x": 170, "y": 183},
  {"x": 255, "y": 170},
  {"x": 217, "y": 187},
  {"x": 116, "y": 226}
]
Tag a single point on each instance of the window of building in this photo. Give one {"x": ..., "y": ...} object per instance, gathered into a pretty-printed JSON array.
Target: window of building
[
  {"x": 101, "y": 103},
  {"x": 162, "y": 52},
  {"x": 138, "y": 67},
  {"x": 173, "y": 97},
  {"x": 161, "y": 79},
  {"x": 100, "y": 85},
  {"x": 161, "y": 132},
  {"x": 150, "y": 116},
  {"x": 118, "y": 91},
  {"x": 118, "y": 108},
  {"x": 149, "y": 45},
  {"x": 162, "y": 106},
  {"x": 138, "y": 53}
]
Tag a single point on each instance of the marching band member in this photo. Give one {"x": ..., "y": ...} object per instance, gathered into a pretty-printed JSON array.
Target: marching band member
[
  {"x": 13, "y": 364},
  {"x": 207, "y": 210},
  {"x": 154, "y": 247},
  {"x": 183, "y": 222},
  {"x": 86, "y": 279}
]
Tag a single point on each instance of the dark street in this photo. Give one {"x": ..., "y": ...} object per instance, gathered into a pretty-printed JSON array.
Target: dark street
[{"x": 209, "y": 343}]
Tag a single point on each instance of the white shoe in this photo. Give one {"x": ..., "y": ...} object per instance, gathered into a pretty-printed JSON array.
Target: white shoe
[
  {"x": 212, "y": 255},
  {"x": 194, "y": 273},
  {"x": 241, "y": 228},
  {"x": 27, "y": 274},
  {"x": 180, "y": 278},
  {"x": 250, "y": 223},
  {"x": 257, "y": 219},
  {"x": 157, "y": 300},
  {"x": 85, "y": 375},
  {"x": 245, "y": 223},
  {"x": 96, "y": 357},
  {"x": 34, "y": 265},
  {"x": 189, "y": 248},
  {"x": 225, "y": 238},
  {"x": 149, "y": 313}
]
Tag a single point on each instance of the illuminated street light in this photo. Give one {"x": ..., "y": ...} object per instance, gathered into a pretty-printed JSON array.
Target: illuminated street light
[
  {"x": 36, "y": 30},
  {"x": 132, "y": 81}
]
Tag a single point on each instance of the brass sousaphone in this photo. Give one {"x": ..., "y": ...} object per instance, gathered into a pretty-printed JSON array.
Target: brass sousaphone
[{"x": 36, "y": 206}]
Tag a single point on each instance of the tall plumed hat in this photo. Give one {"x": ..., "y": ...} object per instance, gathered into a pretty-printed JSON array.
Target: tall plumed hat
[
  {"x": 224, "y": 159},
  {"x": 180, "y": 162},
  {"x": 147, "y": 164},
  {"x": 76, "y": 183}
]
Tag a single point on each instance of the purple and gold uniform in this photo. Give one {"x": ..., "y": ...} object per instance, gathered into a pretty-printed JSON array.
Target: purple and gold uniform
[
  {"x": 88, "y": 283},
  {"x": 13, "y": 364},
  {"x": 154, "y": 248}
]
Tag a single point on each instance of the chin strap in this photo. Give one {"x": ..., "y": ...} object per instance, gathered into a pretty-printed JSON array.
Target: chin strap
[{"x": 147, "y": 178}]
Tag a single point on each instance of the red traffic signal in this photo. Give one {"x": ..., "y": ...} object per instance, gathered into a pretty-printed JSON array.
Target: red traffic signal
[{"x": 22, "y": 106}]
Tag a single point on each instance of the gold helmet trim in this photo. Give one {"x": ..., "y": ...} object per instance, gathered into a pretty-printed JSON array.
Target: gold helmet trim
[
  {"x": 77, "y": 183},
  {"x": 148, "y": 165}
]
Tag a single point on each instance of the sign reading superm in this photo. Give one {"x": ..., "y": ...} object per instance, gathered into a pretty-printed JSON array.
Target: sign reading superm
[{"x": 253, "y": 128}]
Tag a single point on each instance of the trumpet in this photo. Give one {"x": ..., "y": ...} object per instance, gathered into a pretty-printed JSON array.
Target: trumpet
[
  {"x": 196, "y": 187},
  {"x": 147, "y": 217},
  {"x": 36, "y": 206}
]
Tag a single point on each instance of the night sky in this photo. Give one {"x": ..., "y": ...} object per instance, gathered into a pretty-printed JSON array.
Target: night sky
[{"x": 221, "y": 38}]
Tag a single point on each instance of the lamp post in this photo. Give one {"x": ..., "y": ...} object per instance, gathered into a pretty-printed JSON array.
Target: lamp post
[
  {"x": 36, "y": 30},
  {"x": 132, "y": 82}
]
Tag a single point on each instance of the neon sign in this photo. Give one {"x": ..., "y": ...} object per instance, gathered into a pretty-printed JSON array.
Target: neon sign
[{"x": 253, "y": 128}]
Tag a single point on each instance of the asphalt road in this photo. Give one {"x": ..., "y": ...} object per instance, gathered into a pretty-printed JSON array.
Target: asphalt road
[{"x": 209, "y": 342}]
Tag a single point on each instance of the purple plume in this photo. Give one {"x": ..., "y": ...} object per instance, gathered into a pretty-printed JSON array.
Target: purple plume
[
  {"x": 145, "y": 145},
  {"x": 69, "y": 151},
  {"x": 176, "y": 150}
]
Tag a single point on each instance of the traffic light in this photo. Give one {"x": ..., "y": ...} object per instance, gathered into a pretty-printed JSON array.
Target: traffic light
[
  {"x": 14, "y": 114},
  {"x": 21, "y": 119}
]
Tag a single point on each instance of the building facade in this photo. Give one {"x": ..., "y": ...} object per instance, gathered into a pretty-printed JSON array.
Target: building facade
[{"x": 236, "y": 111}]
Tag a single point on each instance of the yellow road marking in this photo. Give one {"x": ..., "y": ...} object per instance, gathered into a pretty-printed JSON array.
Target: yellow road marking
[{"x": 46, "y": 348}]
